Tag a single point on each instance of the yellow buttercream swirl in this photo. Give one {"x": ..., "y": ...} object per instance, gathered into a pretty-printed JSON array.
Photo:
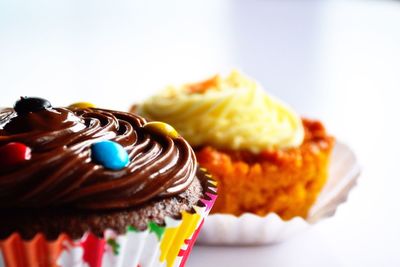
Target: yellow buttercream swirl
[{"x": 231, "y": 113}]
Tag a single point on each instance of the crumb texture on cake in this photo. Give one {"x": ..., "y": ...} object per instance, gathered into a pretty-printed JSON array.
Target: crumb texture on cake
[
  {"x": 53, "y": 222},
  {"x": 284, "y": 181}
]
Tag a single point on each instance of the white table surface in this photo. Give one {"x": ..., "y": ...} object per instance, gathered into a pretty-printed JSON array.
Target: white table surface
[{"x": 334, "y": 60}]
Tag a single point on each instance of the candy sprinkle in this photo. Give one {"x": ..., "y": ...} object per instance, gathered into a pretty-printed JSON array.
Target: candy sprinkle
[
  {"x": 82, "y": 105},
  {"x": 31, "y": 104},
  {"x": 162, "y": 128},
  {"x": 13, "y": 153},
  {"x": 110, "y": 154}
]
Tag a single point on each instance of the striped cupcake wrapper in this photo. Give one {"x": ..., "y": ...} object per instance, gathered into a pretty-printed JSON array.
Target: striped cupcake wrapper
[{"x": 168, "y": 245}]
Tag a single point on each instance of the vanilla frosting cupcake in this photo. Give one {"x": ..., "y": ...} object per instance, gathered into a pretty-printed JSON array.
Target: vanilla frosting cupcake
[{"x": 265, "y": 157}]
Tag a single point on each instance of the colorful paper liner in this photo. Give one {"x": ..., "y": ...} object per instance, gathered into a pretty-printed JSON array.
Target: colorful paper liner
[{"x": 168, "y": 245}]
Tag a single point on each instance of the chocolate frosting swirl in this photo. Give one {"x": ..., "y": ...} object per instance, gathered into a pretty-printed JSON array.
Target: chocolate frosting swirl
[{"x": 62, "y": 173}]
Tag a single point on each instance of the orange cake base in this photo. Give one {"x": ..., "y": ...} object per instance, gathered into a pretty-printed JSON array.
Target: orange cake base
[{"x": 284, "y": 181}]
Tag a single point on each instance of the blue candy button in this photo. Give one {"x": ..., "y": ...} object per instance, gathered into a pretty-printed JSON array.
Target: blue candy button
[{"x": 110, "y": 154}]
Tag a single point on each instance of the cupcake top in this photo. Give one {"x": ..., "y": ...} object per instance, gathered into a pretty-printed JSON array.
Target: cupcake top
[
  {"x": 228, "y": 113},
  {"x": 88, "y": 158}
]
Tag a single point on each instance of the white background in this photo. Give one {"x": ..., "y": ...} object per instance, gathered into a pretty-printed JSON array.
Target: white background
[{"x": 338, "y": 61}]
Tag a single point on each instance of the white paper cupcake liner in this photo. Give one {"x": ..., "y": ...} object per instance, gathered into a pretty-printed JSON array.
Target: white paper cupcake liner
[{"x": 251, "y": 229}]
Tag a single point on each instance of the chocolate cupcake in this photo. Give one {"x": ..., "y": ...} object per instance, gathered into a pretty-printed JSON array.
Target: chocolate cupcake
[{"x": 80, "y": 170}]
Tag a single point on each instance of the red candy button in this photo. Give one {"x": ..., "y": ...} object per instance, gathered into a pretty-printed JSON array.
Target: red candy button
[{"x": 14, "y": 153}]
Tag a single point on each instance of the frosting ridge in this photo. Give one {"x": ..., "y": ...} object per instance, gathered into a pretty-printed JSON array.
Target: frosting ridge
[
  {"x": 61, "y": 171},
  {"x": 231, "y": 113}
]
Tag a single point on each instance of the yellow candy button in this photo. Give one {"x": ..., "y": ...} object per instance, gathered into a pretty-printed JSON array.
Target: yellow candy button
[
  {"x": 161, "y": 128},
  {"x": 82, "y": 105}
]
